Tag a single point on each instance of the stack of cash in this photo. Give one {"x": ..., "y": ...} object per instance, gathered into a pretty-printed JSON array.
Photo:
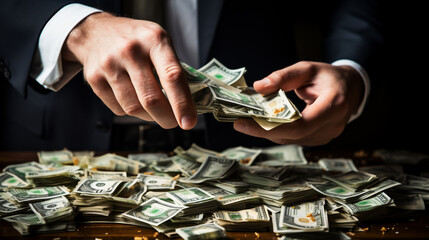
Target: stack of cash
[
  {"x": 195, "y": 200},
  {"x": 101, "y": 197},
  {"x": 224, "y": 93},
  {"x": 197, "y": 193},
  {"x": 256, "y": 219},
  {"x": 204, "y": 231},
  {"x": 304, "y": 217},
  {"x": 64, "y": 175}
]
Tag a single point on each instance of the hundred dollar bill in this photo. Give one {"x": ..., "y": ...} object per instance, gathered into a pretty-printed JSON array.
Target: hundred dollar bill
[
  {"x": 35, "y": 194},
  {"x": 154, "y": 211},
  {"x": 59, "y": 176},
  {"x": 105, "y": 175},
  {"x": 259, "y": 213},
  {"x": 157, "y": 182},
  {"x": 195, "y": 153},
  {"x": 253, "y": 219},
  {"x": 203, "y": 231},
  {"x": 115, "y": 162},
  {"x": 381, "y": 199},
  {"x": 8, "y": 180},
  {"x": 353, "y": 180},
  {"x": 62, "y": 157},
  {"x": 8, "y": 207},
  {"x": 244, "y": 155},
  {"x": 97, "y": 186},
  {"x": 53, "y": 209},
  {"x": 284, "y": 229},
  {"x": 224, "y": 93},
  {"x": 233, "y": 77},
  {"x": 213, "y": 168},
  {"x": 20, "y": 169},
  {"x": 189, "y": 196},
  {"x": 337, "y": 164},
  {"x": 334, "y": 190},
  {"x": 283, "y": 155},
  {"x": 308, "y": 215}
]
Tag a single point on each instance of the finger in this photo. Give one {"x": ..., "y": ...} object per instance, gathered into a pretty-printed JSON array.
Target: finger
[
  {"x": 287, "y": 79},
  {"x": 126, "y": 95},
  {"x": 314, "y": 116},
  {"x": 149, "y": 93},
  {"x": 102, "y": 89},
  {"x": 175, "y": 85}
]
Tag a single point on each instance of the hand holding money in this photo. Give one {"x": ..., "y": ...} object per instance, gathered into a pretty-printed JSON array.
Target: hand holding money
[
  {"x": 222, "y": 91},
  {"x": 332, "y": 94}
]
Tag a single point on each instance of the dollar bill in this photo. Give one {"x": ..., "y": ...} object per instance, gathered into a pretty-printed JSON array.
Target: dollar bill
[
  {"x": 8, "y": 180},
  {"x": 308, "y": 215},
  {"x": 97, "y": 186},
  {"x": 35, "y": 194},
  {"x": 337, "y": 164},
  {"x": 113, "y": 162},
  {"x": 213, "y": 168},
  {"x": 53, "y": 209},
  {"x": 189, "y": 196},
  {"x": 244, "y": 155},
  {"x": 9, "y": 207},
  {"x": 61, "y": 157},
  {"x": 233, "y": 77},
  {"x": 105, "y": 175},
  {"x": 224, "y": 92},
  {"x": 203, "y": 231},
  {"x": 154, "y": 211},
  {"x": 283, "y": 155},
  {"x": 379, "y": 200},
  {"x": 157, "y": 182},
  {"x": 20, "y": 169},
  {"x": 353, "y": 180}
]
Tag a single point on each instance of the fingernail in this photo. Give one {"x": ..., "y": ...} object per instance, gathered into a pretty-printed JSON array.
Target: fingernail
[{"x": 188, "y": 121}]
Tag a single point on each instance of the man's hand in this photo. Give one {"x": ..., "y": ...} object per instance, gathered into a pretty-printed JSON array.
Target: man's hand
[
  {"x": 332, "y": 95},
  {"x": 119, "y": 56}
]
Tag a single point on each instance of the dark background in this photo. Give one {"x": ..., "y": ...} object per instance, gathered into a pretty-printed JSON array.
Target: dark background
[{"x": 396, "y": 114}]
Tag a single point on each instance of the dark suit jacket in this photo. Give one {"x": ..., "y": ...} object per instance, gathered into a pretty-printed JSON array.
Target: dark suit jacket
[{"x": 260, "y": 35}]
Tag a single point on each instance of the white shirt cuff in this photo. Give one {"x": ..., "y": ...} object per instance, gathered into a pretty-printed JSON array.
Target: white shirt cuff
[
  {"x": 53, "y": 74},
  {"x": 366, "y": 82}
]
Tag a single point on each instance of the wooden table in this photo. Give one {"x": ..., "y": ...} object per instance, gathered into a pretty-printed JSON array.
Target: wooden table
[{"x": 417, "y": 228}]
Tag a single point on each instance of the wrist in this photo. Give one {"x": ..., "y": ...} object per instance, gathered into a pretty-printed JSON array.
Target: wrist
[
  {"x": 77, "y": 43},
  {"x": 362, "y": 78}
]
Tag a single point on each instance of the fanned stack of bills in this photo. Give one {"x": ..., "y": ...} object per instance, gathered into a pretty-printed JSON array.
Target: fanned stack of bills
[
  {"x": 256, "y": 219},
  {"x": 197, "y": 193},
  {"x": 222, "y": 91}
]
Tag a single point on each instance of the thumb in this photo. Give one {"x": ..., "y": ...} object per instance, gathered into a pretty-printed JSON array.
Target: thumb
[{"x": 287, "y": 79}]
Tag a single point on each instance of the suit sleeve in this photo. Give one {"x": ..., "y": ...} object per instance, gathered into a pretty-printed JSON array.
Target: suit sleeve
[
  {"x": 25, "y": 20},
  {"x": 354, "y": 32}
]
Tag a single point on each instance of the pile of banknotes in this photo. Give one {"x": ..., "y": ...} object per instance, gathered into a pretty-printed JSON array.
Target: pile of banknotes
[
  {"x": 197, "y": 193},
  {"x": 223, "y": 92}
]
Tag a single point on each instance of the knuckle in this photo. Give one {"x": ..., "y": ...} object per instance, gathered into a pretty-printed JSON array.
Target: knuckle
[
  {"x": 151, "y": 101},
  {"x": 172, "y": 75},
  {"x": 128, "y": 48},
  {"x": 94, "y": 78},
  {"x": 133, "y": 109},
  {"x": 157, "y": 34},
  {"x": 107, "y": 62}
]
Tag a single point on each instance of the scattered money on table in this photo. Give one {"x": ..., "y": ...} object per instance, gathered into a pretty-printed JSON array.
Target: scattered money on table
[{"x": 198, "y": 193}]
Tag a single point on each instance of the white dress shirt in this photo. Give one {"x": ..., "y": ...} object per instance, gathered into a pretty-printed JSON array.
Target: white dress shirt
[{"x": 182, "y": 25}]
